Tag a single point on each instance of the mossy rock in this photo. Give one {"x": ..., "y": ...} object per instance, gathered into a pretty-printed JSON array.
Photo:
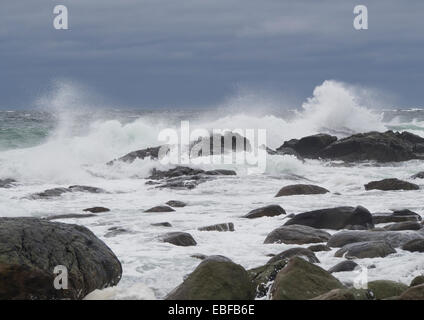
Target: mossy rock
[
  {"x": 417, "y": 281},
  {"x": 346, "y": 294},
  {"x": 215, "y": 278},
  {"x": 383, "y": 289},
  {"x": 414, "y": 293},
  {"x": 301, "y": 280}
]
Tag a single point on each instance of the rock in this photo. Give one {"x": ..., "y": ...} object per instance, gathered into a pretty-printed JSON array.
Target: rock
[
  {"x": 267, "y": 211},
  {"x": 391, "y": 184},
  {"x": 300, "y": 189},
  {"x": 346, "y": 294},
  {"x": 215, "y": 278},
  {"x": 70, "y": 216},
  {"x": 377, "y": 146},
  {"x": 219, "y": 144},
  {"x": 56, "y": 192},
  {"x": 219, "y": 227},
  {"x": 334, "y": 218},
  {"x": 417, "y": 281},
  {"x": 407, "y": 225},
  {"x": 414, "y": 293},
  {"x": 263, "y": 276},
  {"x": 87, "y": 189},
  {"x": 31, "y": 248},
  {"x": 383, "y": 289},
  {"x": 160, "y": 209},
  {"x": 309, "y": 146},
  {"x": 152, "y": 153},
  {"x": 176, "y": 204},
  {"x": 7, "y": 183},
  {"x": 360, "y": 250},
  {"x": 283, "y": 151},
  {"x": 296, "y": 234},
  {"x": 319, "y": 247},
  {"x": 301, "y": 280},
  {"x": 295, "y": 252},
  {"x": 162, "y": 224},
  {"x": 416, "y": 245},
  {"x": 347, "y": 265},
  {"x": 182, "y": 239},
  {"x": 199, "y": 256},
  {"x": 97, "y": 209},
  {"x": 396, "y": 216},
  {"x": 419, "y": 175},
  {"x": 115, "y": 231},
  {"x": 395, "y": 238},
  {"x": 220, "y": 172}
]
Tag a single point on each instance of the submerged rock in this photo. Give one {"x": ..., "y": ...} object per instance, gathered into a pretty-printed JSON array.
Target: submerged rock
[
  {"x": 334, "y": 218},
  {"x": 419, "y": 175},
  {"x": 182, "y": 239},
  {"x": 215, "y": 278},
  {"x": 31, "y": 248},
  {"x": 219, "y": 227},
  {"x": 97, "y": 209},
  {"x": 160, "y": 209},
  {"x": 56, "y": 192},
  {"x": 300, "y": 189},
  {"x": 347, "y": 265},
  {"x": 391, "y": 184},
  {"x": 297, "y": 234},
  {"x": 319, "y": 247},
  {"x": 176, "y": 204},
  {"x": 162, "y": 224},
  {"x": 152, "y": 153},
  {"x": 267, "y": 211},
  {"x": 360, "y": 250},
  {"x": 116, "y": 231},
  {"x": 414, "y": 293}
]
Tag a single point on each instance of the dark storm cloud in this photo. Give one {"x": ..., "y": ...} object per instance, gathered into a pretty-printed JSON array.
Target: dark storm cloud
[{"x": 155, "y": 53}]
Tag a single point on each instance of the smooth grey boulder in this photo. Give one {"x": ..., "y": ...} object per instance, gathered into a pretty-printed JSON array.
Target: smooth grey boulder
[
  {"x": 31, "y": 248},
  {"x": 300, "y": 189},
  {"x": 297, "y": 234},
  {"x": 360, "y": 250},
  {"x": 182, "y": 239},
  {"x": 267, "y": 211},
  {"x": 344, "y": 266},
  {"x": 391, "y": 184},
  {"x": 334, "y": 218}
]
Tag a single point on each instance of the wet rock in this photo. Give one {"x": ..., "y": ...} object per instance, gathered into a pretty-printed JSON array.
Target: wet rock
[
  {"x": 296, "y": 234},
  {"x": 162, "y": 224},
  {"x": 176, "y": 204},
  {"x": 219, "y": 227},
  {"x": 31, "y": 248},
  {"x": 7, "y": 183},
  {"x": 407, "y": 225},
  {"x": 319, "y": 247},
  {"x": 56, "y": 192},
  {"x": 267, "y": 211},
  {"x": 263, "y": 276},
  {"x": 199, "y": 256},
  {"x": 417, "y": 281},
  {"x": 215, "y": 278},
  {"x": 182, "y": 239},
  {"x": 301, "y": 280},
  {"x": 160, "y": 209},
  {"x": 152, "y": 153},
  {"x": 395, "y": 238},
  {"x": 300, "y": 189},
  {"x": 414, "y": 293},
  {"x": 87, "y": 189},
  {"x": 419, "y": 175},
  {"x": 115, "y": 231},
  {"x": 97, "y": 209},
  {"x": 383, "y": 289},
  {"x": 360, "y": 250},
  {"x": 334, "y": 218},
  {"x": 283, "y": 151},
  {"x": 391, "y": 184},
  {"x": 70, "y": 216},
  {"x": 347, "y": 265},
  {"x": 346, "y": 294},
  {"x": 309, "y": 146},
  {"x": 396, "y": 216},
  {"x": 416, "y": 245},
  {"x": 295, "y": 252}
]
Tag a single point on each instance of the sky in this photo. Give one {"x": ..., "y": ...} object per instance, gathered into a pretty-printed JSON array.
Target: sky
[{"x": 197, "y": 53}]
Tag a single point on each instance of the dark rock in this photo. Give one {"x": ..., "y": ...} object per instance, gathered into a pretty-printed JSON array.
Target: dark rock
[
  {"x": 162, "y": 224},
  {"x": 219, "y": 227},
  {"x": 334, "y": 218},
  {"x": 87, "y": 189},
  {"x": 97, "y": 209},
  {"x": 263, "y": 276},
  {"x": 396, "y": 216},
  {"x": 417, "y": 281},
  {"x": 297, "y": 234},
  {"x": 301, "y": 280},
  {"x": 182, "y": 239},
  {"x": 360, "y": 250},
  {"x": 383, "y": 289},
  {"x": 56, "y": 192},
  {"x": 115, "y": 231},
  {"x": 414, "y": 293},
  {"x": 160, "y": 209},
  {"x": 176, "y": 204},
  {"x": 215, "y": 278},
  {"x": 309, "y": 146},
  {"x": 31, "y": 248},
  {"x": 300, "y": 189},
  {"x": 346, "y": 294},
  {"x": 267, "y": 211},
  {"x": 7, "y": 183},
  {"x": 407, "y": 225},
  {"x": 295, "y": 252},
  {"x": 419, "y": 175},
  {"x": 70, "y": 216},
  {"x": 152, "y": 153},
  {"x": 347, "y": 265},
  {"x": 220, "y": 172},
  {"x": 416, "y": 245},
  {"x": 283, "y": 151},
  {"x": 391, "y": 184},
  {"x": 199, "y": 256},
  {"x": 395, "y": 238},
  {"x": 319, "y": 247}
]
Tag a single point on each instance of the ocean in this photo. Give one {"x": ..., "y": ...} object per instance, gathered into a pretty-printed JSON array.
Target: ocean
[{"x": 65, "y": 144}]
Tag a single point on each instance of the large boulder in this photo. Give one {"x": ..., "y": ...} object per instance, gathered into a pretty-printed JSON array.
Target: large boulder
[
  {"x": 346, "y": 294},
  {"x": 295, "y": 252},
  {"x": 383, "y": 147},
  {"x": 267, "y": 211},
  {"x": 360, "y": 250},
  {"x": 383, "y": 289},
  {"x": 300, "y": 189},
  {"x": 413, "y": 293},
  {"x": 301, "y": 280},
  {"x": 31, "y": 248},
  {"x": 396, "y": 216},
  {"x": 297, "y": 234},
  {"x": 416, "y": 245},
  {"x": 334, "y": 218},
  {"x": 391, "y": 184},
  {"x": 215, "y": 278},
  {"x": 309, "y": 146},
  {"x": 182, "y": 239},
  {"x": 347, "y": 265},
  {"x": 395, "y": 238}
]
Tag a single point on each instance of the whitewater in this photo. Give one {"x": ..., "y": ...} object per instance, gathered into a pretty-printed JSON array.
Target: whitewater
[{"x": 66, "y": 141}]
